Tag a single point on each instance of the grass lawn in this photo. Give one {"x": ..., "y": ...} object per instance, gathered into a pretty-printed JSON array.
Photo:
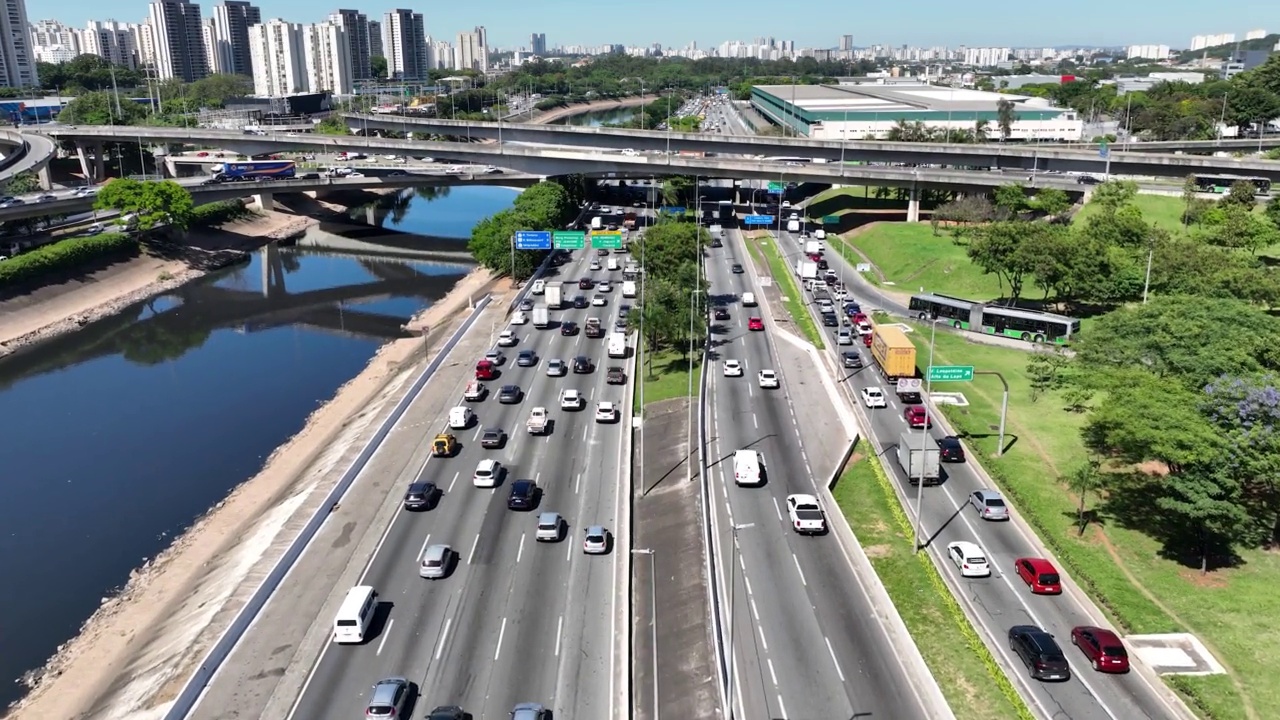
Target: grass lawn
[
  {"x": 911, "y": 257},
  {"x": 1232, "y": 610},
  {"x": 665, "y": 375},
  {"x": 1163, "y": 210},
  {"x": 963, "y": 668},
  {"x": 765, "y": 251}
]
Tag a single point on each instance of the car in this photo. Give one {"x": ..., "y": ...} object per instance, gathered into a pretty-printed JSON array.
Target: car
[
  {"x": 755, "y": 323},
  {"x": 604, "y": 286},
  {"x": 447, "y": 712},
  {"x": 421, "y": 495},
  {"x": 556, "y": 368},
  {"x": 1040, "y": 652},
  {"x": 732, "y": 368},
  {"x": 550, "y": 527},
  {"x": 582, "y": 365},
  {"x": 595, "y": 265},
  {"x": 526, "y": 304},
  {"x": 620, "y": 325},
  {"x": 493, "y": 438},
  {"x": 595, "y": 540},
  {"x": 1102, "y": 648},
  {"x": 851, "y": 359},
  {"x": 519, "y": 317},
  {"x": 460, "y": 418},
  {"x": 496, "y": 357},
  {"x": 768, "y": 379},
  {"x": 807, "y": 517},
  {"x": 1087, "y": 180},
  {"x": 445, "y": 444},
  {"x": 917, "y": 417},
  {"x": 624, "y": 311},
  {"x": 507, "y": 338},
  {"x": 830, "y": 320},
  {"x": 969, "y": 558},
  {"x": 568, "y": 328},
  {"x": 388, "y": 699},
  {"x": 715, "y": 243},
  {"x": 526, "y": 358},
  {"x": 435, "y": 561},
  {"x": 488, "y": 473},
  {"x": 989, "y": 504},
  {"x": 571, "y": 400},
  {"x": 950, "y": 449},
  {"x": 599, "y": 300},
  {"x": 523, "y": 495},
  {"x": 606, "y": 412},
  {"x": 616, "y": 376},
  {"x": 585, "y": 284},
  {"x": 873, "y": 397},
  {"x": 509, "y": 394},
  {"x": 1039, "y": 574},
  {"x": 529, "y": 711},
  {"x": 580, "y": 302},
  {"x": 721, "y": 314},
  {"x": 737, "y": 269}
]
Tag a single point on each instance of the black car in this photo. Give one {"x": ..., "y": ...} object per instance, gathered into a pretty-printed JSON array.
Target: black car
[
  {"x": 721, "y": 314},
  {"x": 950, "y": 449},
  {"x": 851, "y": 359},
  {"x": 585, "y": 284},
  {"x": 829, "y": 319},
  {"x": 1087, "y": 180},
  {"x": 493, "y": 438},
  {"x": 580, "y": 302},
  {"x": 1040, "y": 652},
  {"x": 524, "y": 495},
  {"x": 527, "y": 358},
  {"x": 582, "y": 365},
  {"x": 602, "y": 252},
  {"x": 509, "y": 394},
  {"x": 447, "y": 712},
  {"x": 568, "y": 328},
  {"x": 624, "y": 312},
  {"x": 823, "y": 265},
  {"x": 715, "y": 242},
  {"x": 737, "y": 269},
  {"x": 421, "y": 495}
]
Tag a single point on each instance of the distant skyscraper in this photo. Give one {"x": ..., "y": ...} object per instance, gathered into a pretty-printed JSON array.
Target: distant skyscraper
[
  {"x": 375, "y": 39},
  {"x": 1255, "y": 34},
  {"x": 404, "y": 40},
  {"x": 846, "y": 43},
  {"x": 1149, "y": 52},
  {"x": 179, "y": 40},
  {"x": 115, "y": 42},
  {"x": 231, "y": 21},
  {"x": 538, "y": 43},
  {"x": 17, "y": 59},
  {"x": 1200, "y": 42},
  {"x": 467, "y": 52},
  {"x": 278, "y": 58},
  {"x": 328, "y": 58},
  {"x": 482, "y": 51},
  {"x": 53, "y": 42}
]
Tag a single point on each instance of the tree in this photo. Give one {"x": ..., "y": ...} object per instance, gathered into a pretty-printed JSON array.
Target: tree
[
  {"x": 1249, "y": 104},
  {"x": 1206, "y": 501},
  {"x": 162, "y": 202},
  {"x": 23, "y": 183},
  {"x": 1272, "y": 211},
  {"x": 545, "y": 206},
  {"x": 674, "y": 188},
  {"x": 1052, "y": 201},
  {"x": 215, "y": 90},
  {"x": 1241, "y": 193},
  {"x": 1012, "y": 198},
  {"x": 1112, "y": 195},
  {"x": 1007, "y": 249},
  {"x": 378, "y": 66},
  {"x": 1085, "y": 480},
  {"x": 1005, "y": 117},
  {"x": 491, "y": 244},
  {"x": 101, "y": 108},
  {"x": 1044, "y": 371},
  {"x": 1246, "y": 411},
  {"x": 981, "y": 131},
  {"x": 333, "y": 125}
]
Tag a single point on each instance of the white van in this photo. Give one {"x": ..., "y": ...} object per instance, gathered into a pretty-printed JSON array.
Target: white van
[
  {"x": 747, "y": 468},
  {"x": 460, "y": 417},
  {"x": 820, "y": 234},
  {"x": 748, "y": 299},
  {"x": 793, "y": 226},
  {"x": 612, "y": 264},
  {"x": 354, "y": 615}
]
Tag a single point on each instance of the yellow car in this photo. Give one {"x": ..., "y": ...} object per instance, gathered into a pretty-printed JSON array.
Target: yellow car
[{"x": 444, "y": 445}]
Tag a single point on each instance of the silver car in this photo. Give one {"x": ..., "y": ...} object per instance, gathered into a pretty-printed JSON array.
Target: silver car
[
  {"x": 528, "y": 711},
  {"x": 434, "y": 563},
  {"x": 596, "y": 540},
  {"x": 389, "y": 698},
  {"x": 550, "y": 527},
  {"x": 989, "y": 504}
]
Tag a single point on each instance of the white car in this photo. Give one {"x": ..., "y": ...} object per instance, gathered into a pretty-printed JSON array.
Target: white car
[
  {"x": 496, "y": 357},
  {"x": 557, "y": 368},
  {"x": 873, "y": 397},
  {"x": 570, "y": 400},
  {"x": 598, "y": 301},
  {"x": 768, "y": 379},
  {"x": 732, "y": 368},
  {"x": 807, "y": 517},
  {"x": 603, "y": 285},
  {"x": 487, "y": 473},
  {"x": 969, "y": 558},
  {"x": 519, "y": 318},
  {"x": 629, "y": 152},
  {"x": 507, "y": 338},
  {"x": 595, "y": 264},
  {"x": 606, "y": 412},
  {"x": 595, "y": 540}
]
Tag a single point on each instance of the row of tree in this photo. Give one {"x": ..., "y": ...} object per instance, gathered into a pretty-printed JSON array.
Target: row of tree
[
  {"x": 545, "y": 206},
  {"x": 672, "y": 312}
]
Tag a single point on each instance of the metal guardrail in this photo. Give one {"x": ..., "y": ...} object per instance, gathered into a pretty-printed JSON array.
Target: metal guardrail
[
  {"x": 195, "y": 685},
  {"x": 709, "y": 532}
]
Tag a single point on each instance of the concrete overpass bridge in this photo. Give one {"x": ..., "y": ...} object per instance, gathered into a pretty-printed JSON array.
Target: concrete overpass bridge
[{"x": 26, "y": 152}]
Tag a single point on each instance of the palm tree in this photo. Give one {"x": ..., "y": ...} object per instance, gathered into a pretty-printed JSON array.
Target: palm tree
[
  {"x": 1005, "y": 117},
  {"x": 981, "y": 131}
]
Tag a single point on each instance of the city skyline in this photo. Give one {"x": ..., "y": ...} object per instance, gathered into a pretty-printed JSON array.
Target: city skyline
[{"x": 1090, "y": 23}]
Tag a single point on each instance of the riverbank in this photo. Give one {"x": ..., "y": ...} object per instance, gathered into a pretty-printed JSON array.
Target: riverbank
[
  {"x": 133, "y": 655},
  {"x": 544, "y": 117},
  {"x": 69, "y": 303}
]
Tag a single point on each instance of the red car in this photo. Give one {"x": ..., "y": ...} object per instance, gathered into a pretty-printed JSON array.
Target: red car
[
  {"x": 1039, "y": 574},
  {"x": 866, "y": 339},
  {"x": 485, "y": 370},
  {"x": 1103, "y": 649},
  {"x": 755, "y": 323},
  {"x": 917, "y": 417}
]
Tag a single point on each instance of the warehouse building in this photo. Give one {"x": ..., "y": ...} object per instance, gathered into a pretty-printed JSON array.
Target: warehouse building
[{"x": 859, "y": 111}]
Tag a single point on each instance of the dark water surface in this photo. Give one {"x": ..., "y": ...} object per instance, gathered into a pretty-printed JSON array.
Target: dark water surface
[
  {"x": 115, "y": 438},
  {"x": 597, "y": 118}
]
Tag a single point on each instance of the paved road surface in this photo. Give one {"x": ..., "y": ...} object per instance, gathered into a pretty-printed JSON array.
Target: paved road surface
[
  {"x": 806, "y": 643},
  {"x": 517, "y": 621}
]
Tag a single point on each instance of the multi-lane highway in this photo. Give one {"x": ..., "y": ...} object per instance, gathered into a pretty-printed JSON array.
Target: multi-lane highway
[
  {"x": 1002, "y": 600},
  {"x": 807, "y": 642},
  {"x": 517, "y": 620}
]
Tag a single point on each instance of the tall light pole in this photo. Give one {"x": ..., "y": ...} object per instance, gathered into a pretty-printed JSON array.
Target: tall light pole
[
  {"x": 653, "y": 619},
  {"x": 733, "y": 562},
  {"x": 924, "y": 438}
]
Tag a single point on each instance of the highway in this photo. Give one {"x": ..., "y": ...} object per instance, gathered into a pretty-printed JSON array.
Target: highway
[
  {"x": 807, "y": 642},
  {"x": 517, "y": 620},
  {"x": 1003, "y": 600}
]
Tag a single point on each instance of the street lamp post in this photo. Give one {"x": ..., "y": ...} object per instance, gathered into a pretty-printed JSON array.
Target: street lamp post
[
  {"x": 924, "y": 439},
  {"x": 733, "y": 562},
  {"x": 653, "y": 619}
]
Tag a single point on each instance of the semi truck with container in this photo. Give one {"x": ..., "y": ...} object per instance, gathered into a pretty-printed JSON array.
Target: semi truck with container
[
  {"x": 553, "y": 295},
  {"x": 255, "y": 169},
  {"x": 919, "y": 457},
  {"x": 893, "y": 352}
]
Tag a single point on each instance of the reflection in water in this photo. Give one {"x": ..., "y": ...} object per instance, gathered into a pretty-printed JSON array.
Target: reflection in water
[
  {"x": 598, "y": 118},
  {"x": 414, "y": 212}
]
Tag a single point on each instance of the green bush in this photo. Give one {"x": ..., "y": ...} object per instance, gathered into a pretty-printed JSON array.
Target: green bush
[
  {"x": 218, "y": 213},
  {"x": 65, "y": 255}
]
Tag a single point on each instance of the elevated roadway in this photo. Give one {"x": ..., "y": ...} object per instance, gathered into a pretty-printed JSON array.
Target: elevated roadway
[
  {"x": 924, "y": 158},
  {"x": 25, "y": 152}
]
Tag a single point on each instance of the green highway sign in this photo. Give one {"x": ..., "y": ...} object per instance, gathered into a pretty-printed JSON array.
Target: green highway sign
[
  {"x": 951, "y": 373},
  {"x": 775, "y": 187},
  {"x": 607, "y": 240},
  {"x": 569, "y": 239}
]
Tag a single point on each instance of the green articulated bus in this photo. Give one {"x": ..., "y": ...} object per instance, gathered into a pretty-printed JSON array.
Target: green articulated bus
[{"x": 1016, "y": 323}]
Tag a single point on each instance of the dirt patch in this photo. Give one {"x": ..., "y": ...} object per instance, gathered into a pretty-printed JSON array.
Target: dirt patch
[
  {"x": 134, "y": 653},
  {"x": 1154, "y": 468},
  {"x": 878, "y": 551},
  {"x": 1215, "y": 581}
]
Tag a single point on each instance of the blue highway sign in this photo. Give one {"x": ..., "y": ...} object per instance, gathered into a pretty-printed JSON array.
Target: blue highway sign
[{"x": 533, "y": 240}]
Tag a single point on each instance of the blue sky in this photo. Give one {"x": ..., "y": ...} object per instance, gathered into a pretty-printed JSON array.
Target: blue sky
[{"x": 811, "y": 23}]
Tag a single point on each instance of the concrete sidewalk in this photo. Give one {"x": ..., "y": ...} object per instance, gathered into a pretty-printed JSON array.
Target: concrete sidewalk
[{"x": 680, "y": 672}]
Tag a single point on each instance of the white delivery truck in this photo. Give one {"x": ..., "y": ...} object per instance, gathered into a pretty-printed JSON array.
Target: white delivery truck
[
  {"x": 617, "y": 345},
  {"x": 813, "y": 247},
  {"x": 541, "y": 318},
  {"x": 805, "y": 269},
  {"x": 793, "y": 226},
  {"x": 717, "y": 231},
  {"x": 552, "y": 291},
  {"x": 748, "y": 299},
  {"x": 597, "y": 223},
  {"x": 919, "y": 462},
  {"x": 629, "y": 288}
]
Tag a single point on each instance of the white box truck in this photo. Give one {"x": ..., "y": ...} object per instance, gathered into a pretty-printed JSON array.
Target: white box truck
[
  {"x": 617, "y": 345},
  {"x": 629, "y": 288},
  {"x": 813, "y": 247},
  {"x": 541, "y": 318},
  {"x": 552, "y": 292},
  {"x": 805, "y": 269},
  {"x": 597, "y": 223},
  {"x": 793, "y": 226},
  {"x": 916, "y": 462},
  {"x": 716, "y": 231}
]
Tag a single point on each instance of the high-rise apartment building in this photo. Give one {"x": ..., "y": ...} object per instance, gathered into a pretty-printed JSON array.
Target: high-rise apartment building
[
  {"x": 482, "y": 51},
  {"x": 404, "y": 40},
  {"x": 328, "y": 58},
  {"x": 146, "y": 38},
  {"x": 1148, "y": 52},
  {"x": 179, "y": 40},
  {"x": 231, "y": 22},
  {"x": 466, "y": 52},
  {"x": 1255, "y": 34},
  {"x": 355, "y": 25},
  {"x": 375, "y": 39},
  {"x": 442, "y": 55},
  {"x": 538, "y": 43},
  {"x": 113, "y": 41},
  {"x": 278, "y": 58},
  {"x": 1200, "y": 42},
  {"x": 53, "y": 42},
  {"x": 17, "y": 60},
  {"x": 986, "y": 57},
  {"x": 846, "y": 43},
  {"x": 219, "y": 61}
]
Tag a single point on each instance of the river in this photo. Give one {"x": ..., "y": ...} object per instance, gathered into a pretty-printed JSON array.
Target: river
[
  {"x": 117, "y": 437},
  {"x": 597, "y": 118}
]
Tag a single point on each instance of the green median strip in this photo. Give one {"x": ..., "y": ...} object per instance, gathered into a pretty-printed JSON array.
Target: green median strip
[
  {"x": 766, "y": 253},
  {"x": 969, "y": 676},
  {"x": 665, "y": 375}
]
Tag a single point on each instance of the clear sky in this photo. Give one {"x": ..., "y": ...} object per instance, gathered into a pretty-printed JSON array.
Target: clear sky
[{"x": 811, "y": 23}]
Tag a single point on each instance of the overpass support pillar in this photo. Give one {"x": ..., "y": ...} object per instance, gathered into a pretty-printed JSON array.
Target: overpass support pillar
[
  {"x": 90, "y": 172},
  {"x": 913, "y": 205},
  {"x": 264, "y": 202},
  {"x": 45, "y": 177}
]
